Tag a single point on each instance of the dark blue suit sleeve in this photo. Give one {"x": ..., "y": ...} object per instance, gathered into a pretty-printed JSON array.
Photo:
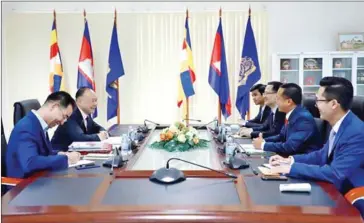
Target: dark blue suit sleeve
[
  {"x": 317, "y": 157},
  {"x": 76, "y": 133},
  {"x": 350, "y": 157},
  {"x": 303, "y": 130},
  {"x": 96, "y": 128},
  {"x": 276, "y": 138},
  {"x": 30, "y": 160}
]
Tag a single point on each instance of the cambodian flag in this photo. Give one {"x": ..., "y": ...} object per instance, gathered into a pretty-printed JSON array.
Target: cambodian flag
[
  {"x": 218, "y": 75},
  {"x": 86, "y": 64}
]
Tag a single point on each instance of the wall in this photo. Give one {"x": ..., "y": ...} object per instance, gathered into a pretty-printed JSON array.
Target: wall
[{"x": 292, "y": 27}]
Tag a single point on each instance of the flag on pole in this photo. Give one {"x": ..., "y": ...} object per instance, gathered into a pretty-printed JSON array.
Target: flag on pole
[
  {"x": 187, "y": 75},
  {"x": 249, "y": 69},
  {"x": 218, "y": 75},
  {"x": 85, "y": 76},
  {"x": 56, "y": 78},
  {"x": 116, "y": 70}
]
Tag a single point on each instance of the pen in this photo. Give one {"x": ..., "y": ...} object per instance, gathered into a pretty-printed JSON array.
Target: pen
[{"x": 83, "y": 167}]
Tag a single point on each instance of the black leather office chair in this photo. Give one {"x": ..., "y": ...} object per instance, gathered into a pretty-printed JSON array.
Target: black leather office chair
[
  {"x": 357, "y": 106},
  {"x": 322, "y": 127},
  {"x": 21, "y": 108},
  {"x": 309, "y": 102}
]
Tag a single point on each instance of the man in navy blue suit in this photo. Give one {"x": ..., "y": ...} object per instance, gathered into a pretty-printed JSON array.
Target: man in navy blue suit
[
  {"x": 29, "y": 149},
  {"x": 299, "y": 134},
  {"x": 80, "y": 126},
  {"x": 273, "y": 125},
  {"x": 343, "y": 153},
  {"x": 257, "y": 92}
]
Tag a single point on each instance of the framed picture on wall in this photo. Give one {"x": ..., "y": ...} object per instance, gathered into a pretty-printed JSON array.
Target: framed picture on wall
[{"x": 351, "y": 41}]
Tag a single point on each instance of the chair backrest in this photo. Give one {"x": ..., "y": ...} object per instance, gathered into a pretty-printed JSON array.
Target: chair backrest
[
  {"x": 357, "y": 106},
  {"x": 309, "y": 102},
  {"x": 21, "y": 108},
  {"x": 321, "y": 125},
  {"x": 4, "y": 145}
]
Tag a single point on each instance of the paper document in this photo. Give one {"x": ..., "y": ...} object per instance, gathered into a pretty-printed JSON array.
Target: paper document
[
  {"x": 266, "y": 171},
  {"x": 98, "y": 156},
  {"x": 81, "y": 162},
  {"x": 249, "y": 148},
  {"x": 113, "y": 140},
  {"x": 295, "y": 187},
  {"x": 89, "y": 146}
]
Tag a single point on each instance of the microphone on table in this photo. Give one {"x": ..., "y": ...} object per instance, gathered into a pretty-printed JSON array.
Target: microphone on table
[
  {"x": 145, "y": 129},
  {"x": 172, "y": 175},
  {"x": 191, "y": 119},
  {"x": 205, "y": 125},
  {"x": 239, "y": 163},
  {"x": 115, "y": 161}
]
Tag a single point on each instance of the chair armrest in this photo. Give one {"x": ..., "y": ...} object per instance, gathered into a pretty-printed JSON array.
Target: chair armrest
[
  {"x": 355, "y": 194},
  {"x": 10, "y": 181}
]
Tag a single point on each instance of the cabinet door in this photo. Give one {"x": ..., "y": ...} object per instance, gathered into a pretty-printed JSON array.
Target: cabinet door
[
  {"x": 342, "y": 67},
  {"x": 360, "y": 76},
  {"x": 289, "y": 70},
  {"x": 312, "y": 74}
]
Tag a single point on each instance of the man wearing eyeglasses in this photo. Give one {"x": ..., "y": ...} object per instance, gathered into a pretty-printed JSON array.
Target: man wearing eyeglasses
[
  {"x": 343, "y": 153},
  {"x": 273, "y": 125},
  {"x": 299, "y": 134},
  {"x": 29, "y": 149}
]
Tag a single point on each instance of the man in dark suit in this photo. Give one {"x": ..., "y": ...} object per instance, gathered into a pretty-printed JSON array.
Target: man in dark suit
[
  {"x": 29, "y": 149},
  {"x": 343, "y": 153},
  {"x": 257, "y": 92},
  {"x": 80, "y": 126},
  {"x": 273, "y": 125},
  {"x": 300, "y": 133}
]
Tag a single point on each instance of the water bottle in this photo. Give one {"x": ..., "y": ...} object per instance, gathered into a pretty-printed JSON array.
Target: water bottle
[
  {"x": 229, "y": 149},
  {"x": 125, "y": 147},
  {"x": 131, "y": 133}
]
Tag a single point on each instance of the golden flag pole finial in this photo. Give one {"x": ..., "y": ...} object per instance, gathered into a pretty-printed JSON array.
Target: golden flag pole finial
[
  {"x": 186, "y": 13},
  {"x": 250, "y": 11},
  {"x": 84, "y": 14},
  {"x": 54, "y": 14},
  {"x": 115, "y": 14},
  {"x": 220, "y": 12}
]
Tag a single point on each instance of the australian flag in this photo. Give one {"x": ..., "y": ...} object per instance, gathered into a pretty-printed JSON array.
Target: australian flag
[
  {"x": 249, "y": 70},
  {"x": 116, "y": 70},
  {"x": 218, "y": 74}
]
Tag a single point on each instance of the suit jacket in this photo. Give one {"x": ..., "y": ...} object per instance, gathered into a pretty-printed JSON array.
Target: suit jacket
[
  {"x": 258, "y": 120},
  {"x": 346, "y": 158},
  {"x": 74, "y": 130},
  {"x": 29, "y": 150},
  {"x": 300, "y": 135},
  {"x": 270, "y": 127}
]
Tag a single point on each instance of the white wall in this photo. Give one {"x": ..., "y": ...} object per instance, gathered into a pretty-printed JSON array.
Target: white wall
[{"x": 292, "y": 27}]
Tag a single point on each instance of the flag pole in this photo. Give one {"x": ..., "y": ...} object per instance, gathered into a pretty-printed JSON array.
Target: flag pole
[
  {"x": 218, "y": 103},
  {"x": 187, "y": 101},
  {"x": 248, "y": 113},
  {"x": 117, "y": 81}
]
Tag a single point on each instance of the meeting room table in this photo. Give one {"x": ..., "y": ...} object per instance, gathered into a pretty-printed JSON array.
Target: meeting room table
[{"x": 126, "y": 194}]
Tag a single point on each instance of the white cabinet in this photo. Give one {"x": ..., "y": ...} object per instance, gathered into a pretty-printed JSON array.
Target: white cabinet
[{"x": 307, "y": 69}]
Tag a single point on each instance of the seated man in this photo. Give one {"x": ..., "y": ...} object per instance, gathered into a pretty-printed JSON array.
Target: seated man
[
  {"x": 80, "y": 126},
  {"x": 29, "y": 149},
  {"x": 300, "y": 133},
  {"x": 273, "y": 125},
  {"x": 343, "y": 153},
  {"x": 264, "y": 111}
]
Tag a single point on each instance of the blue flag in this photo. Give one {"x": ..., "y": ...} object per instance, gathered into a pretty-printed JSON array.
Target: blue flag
[
  {"x": 218, "y": 74},
  {"x": 116, "y": 70},
  {"x": 249, "y": 70}
]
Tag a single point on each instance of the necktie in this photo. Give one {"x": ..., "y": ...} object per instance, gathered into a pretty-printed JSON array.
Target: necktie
[
  {"x": 331, "y": 141},
  {"x": 85, "y": 122},
  {"x": 261, "y": 114},
  {"x": 286, "y": 122}
]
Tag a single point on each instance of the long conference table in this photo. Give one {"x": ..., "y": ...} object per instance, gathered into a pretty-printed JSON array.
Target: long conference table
[{"x": 126, "y": 194}]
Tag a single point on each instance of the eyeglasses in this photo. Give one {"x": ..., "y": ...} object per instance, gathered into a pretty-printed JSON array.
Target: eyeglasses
[
  {"x": 269, "y": 93},
  {"x": 318, "y": 100}
]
